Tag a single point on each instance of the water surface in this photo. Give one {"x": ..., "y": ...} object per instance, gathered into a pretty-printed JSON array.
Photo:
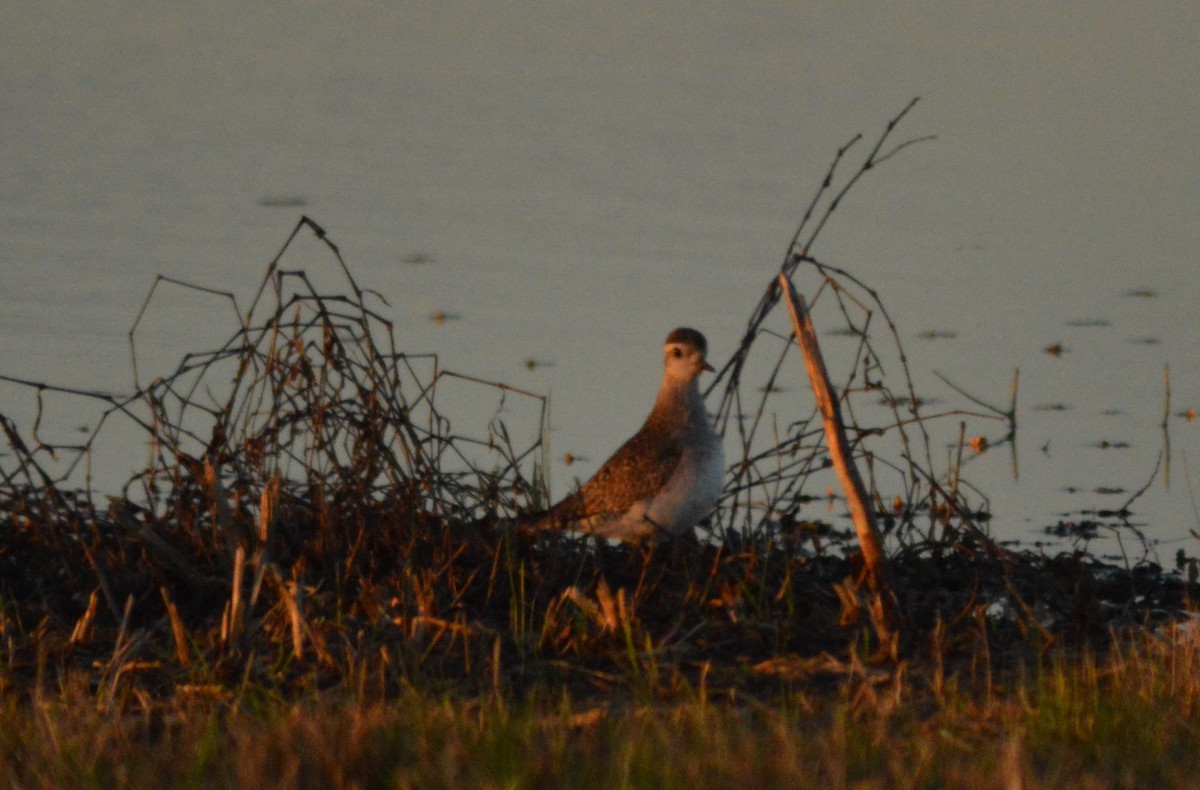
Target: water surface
[{"x": 576, "y": 180}]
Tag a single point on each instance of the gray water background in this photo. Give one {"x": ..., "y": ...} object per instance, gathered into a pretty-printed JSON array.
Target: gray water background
[{"x": 580, "y": 178}]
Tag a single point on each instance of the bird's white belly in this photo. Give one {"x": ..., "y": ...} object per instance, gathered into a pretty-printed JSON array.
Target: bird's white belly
[{"x": 689, "y": 495}]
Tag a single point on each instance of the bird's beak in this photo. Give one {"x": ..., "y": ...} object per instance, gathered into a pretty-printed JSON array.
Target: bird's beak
[{"x": 708, "y": 367}]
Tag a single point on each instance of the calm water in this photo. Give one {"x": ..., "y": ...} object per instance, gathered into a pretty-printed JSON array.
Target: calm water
[{"x": 582, "y": 180}]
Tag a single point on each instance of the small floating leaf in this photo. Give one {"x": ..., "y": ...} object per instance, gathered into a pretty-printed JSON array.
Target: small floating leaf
[{"x": 282, "y": 201}]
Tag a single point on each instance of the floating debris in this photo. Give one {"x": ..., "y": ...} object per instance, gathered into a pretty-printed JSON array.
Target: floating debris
[
  {"x": 1105, "y": 444},
  {"x": 902, "y": 400},
  {"x": 938, "y": 334},
  {"x": 441, "y": 316},
  {"x": 1143, "y": 341},
  {"x": 1141, "y": 293},
  {"x": 1074, "y": 529},
  {"x": 1088, "y": 323},
  {"x": 1055, "y": 349},
  {"x": 1052, "y": 407},
  {"x": 1106, "y": 513},
  {"x": 417, "y": 259},
  {"x": 282, "y": 201}
]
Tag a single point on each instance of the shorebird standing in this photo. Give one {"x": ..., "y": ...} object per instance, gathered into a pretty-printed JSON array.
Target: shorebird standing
[{"x": 668, "y": 476}]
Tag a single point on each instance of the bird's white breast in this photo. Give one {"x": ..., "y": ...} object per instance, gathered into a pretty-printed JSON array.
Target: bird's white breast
[{"x": 693, "y": 489}]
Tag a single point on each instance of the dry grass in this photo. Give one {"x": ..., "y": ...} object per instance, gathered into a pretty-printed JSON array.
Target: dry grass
[
  {"x": 1128, "y": 719},
  {"x": 311, "y": 583}
]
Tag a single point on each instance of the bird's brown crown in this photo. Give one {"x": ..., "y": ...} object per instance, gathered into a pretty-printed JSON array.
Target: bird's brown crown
[{"x": 690, "y": 337}]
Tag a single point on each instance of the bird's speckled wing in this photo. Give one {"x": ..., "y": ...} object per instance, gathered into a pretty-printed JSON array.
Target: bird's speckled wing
[{"x": 629, "y": 476}]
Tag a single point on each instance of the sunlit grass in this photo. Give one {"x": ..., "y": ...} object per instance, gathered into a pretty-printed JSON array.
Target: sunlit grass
[{"x": 1130, "y": 718}]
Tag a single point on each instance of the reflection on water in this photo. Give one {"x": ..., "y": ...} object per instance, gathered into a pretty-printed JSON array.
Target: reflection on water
[{"x": 579, "y": 182}]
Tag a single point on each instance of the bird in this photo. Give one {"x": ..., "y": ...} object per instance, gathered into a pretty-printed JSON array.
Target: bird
[{"x": 666, "y": 477}]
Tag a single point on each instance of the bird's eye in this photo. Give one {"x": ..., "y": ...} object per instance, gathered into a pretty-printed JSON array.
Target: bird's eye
[{"x": 677, "y": 352}]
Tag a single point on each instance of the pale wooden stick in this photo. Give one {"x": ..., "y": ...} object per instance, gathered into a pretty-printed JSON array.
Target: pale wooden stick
[
  {"x": 177, "y": 629},
  {"x": 883, "y": 609}
]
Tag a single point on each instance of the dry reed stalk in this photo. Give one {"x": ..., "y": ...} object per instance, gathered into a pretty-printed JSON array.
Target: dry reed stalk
[
  {"x": 295, "y": 619},
  {"x": 613, "y": 611},
  {"x": 123, "y": 630},
  {"x": 231, "y": 620},
  {"x": 178, "y": 632},
  {"x": 883, "y": 612},
  {"x": 267, "y": 508},
  {"x": 83, "y": 628}
]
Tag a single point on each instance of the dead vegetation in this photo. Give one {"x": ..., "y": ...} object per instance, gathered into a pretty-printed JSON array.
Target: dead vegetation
[{"x": 309, "y": 519}]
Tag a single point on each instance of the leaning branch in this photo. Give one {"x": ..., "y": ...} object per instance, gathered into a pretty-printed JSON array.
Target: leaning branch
[{"x": 883, "y": 612}]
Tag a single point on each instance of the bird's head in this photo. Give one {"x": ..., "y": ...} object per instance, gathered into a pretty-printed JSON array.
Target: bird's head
[{"x": 684, "y": 354}]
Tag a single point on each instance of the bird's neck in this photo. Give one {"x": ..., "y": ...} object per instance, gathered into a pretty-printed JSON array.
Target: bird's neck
[{"x": 679, "y": 403}]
